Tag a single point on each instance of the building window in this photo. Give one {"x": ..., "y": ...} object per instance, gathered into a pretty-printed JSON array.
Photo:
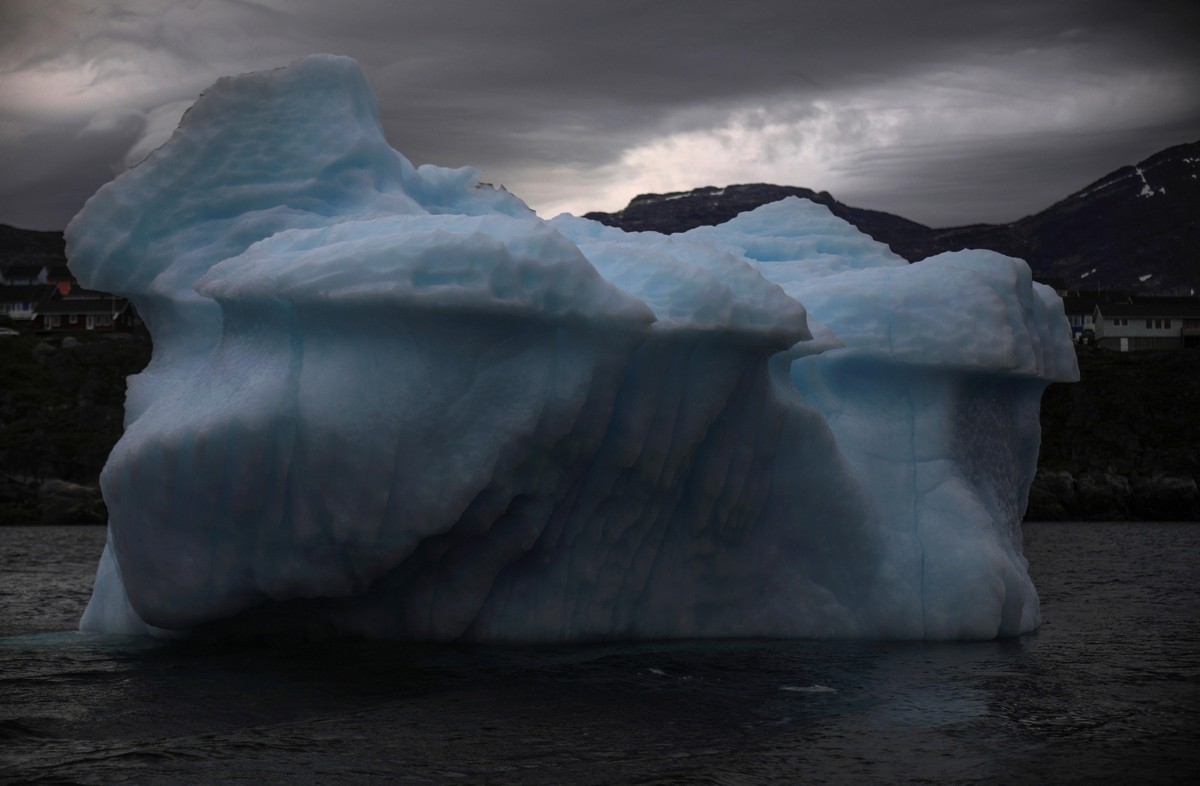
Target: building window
[
  {"x": 72, "y": 319},
  {"x": 1167, "y": 324},
  {"x": 1149, "y": 323},
  {"x": 53, "y": 321}
]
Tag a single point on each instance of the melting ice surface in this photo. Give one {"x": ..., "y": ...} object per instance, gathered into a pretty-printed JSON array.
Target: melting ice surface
[{"x": 392, "y": 401}]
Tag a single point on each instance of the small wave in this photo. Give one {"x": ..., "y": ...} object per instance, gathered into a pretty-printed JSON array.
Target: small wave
[
  {"x": 809, "y": 689},
  {"x": 660, "y": 673}
]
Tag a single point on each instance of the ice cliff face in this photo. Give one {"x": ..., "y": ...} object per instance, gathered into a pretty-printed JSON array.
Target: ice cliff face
[{"x": 393, "y": 402}]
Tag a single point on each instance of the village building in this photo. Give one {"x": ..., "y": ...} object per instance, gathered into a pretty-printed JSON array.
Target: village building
[
  {"x": 19, "y": 302},
  {"x": 1080, "y": 308},
  {"x": 1148, "y": 323},
  {"x": 23, "y": 275},
  {"x": 84, "y": 309}
]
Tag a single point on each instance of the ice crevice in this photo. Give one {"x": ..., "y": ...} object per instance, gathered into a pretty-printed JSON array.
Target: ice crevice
[{"x": 393, "y": 402}]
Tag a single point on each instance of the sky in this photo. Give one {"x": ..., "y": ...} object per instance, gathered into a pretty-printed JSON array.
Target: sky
[{"x": 946, "y": 113}]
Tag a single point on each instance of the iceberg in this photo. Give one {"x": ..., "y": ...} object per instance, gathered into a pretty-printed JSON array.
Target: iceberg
[{"x": 391, "y": 401}]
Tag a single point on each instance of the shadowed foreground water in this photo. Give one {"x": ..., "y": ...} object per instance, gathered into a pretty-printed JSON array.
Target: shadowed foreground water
[{"x": 1106, "y": 691}]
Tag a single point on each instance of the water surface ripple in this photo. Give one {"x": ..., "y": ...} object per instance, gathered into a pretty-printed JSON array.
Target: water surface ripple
[{"x": 1106, "y": 691}]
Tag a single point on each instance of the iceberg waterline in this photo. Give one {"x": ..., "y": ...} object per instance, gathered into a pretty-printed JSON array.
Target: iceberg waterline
[{"x": 393, "y": 402}]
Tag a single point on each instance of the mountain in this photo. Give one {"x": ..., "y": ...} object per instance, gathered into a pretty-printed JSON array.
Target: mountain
[
  {"x": 679, "y": 212},
  {"x": 1135, "y": 229},
  {"x": 30, "y": 247}
]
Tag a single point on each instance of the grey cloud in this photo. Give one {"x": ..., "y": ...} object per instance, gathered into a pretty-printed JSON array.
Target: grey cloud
[
  {"x": 51, "y": 178},
  {"x": 523, "y": 87},
  {"x": 963, "y": 184}
]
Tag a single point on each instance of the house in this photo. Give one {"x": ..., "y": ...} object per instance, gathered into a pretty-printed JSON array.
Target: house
[
  {"x": 23, "y": 275},
  {"x": 84, "y": 309},
  {"x": 19, "y": 302},
  {"x": 30, "y": 275},
  {"x": 1080, "y": 308},
  {"x": 1148, "y": 323},
  {"x": 1081, "y": 312}
]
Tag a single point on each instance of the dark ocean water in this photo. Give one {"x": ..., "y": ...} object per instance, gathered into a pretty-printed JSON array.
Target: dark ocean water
[{"x": 1108, "y": 691}]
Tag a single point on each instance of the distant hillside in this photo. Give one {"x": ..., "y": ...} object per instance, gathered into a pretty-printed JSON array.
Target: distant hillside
[
  {"x": 679, "y": 212},
  {"x": 29, "y": 247},
  {"x": 1136, "y": 229}
]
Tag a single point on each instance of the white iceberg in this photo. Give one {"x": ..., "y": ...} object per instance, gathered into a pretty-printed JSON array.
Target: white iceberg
[{"x": 393, "y": 402}]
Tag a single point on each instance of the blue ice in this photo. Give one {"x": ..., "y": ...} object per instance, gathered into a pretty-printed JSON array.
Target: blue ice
[{"x": 392, "y": 401}]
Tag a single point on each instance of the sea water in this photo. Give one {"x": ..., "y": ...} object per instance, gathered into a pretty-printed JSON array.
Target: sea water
[{"x": 1107, "y": 690}]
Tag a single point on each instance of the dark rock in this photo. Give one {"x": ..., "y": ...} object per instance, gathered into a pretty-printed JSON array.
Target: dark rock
[
  {"x": 61, "y": 411},
  {"x": 16, "y": 489},
  {"x": 1102, "y": 496},
  {"x": 61, "y": 502},
  {"x": 1166, "y": 498},
  {"x": 1052, "y": 497},
  {"x": 1045, "y": 506}
]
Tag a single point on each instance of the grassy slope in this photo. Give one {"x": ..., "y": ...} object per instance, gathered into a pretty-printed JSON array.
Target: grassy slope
[{"x": 1132, "y": 414}]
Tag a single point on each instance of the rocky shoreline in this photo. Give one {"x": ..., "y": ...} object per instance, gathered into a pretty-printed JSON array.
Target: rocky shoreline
[
  {"x": 62, "y": 406},
  {"x": 1064, "y": 496},
  {"x": 1122, "y": 444},
  {"x": 26, "y": 500}
]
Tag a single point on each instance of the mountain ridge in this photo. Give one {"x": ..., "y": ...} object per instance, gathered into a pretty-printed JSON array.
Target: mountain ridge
[{"x": 1136, "y": 228}]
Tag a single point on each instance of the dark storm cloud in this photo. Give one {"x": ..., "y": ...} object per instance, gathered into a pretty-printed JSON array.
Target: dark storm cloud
[{"x": 904, "y": 106}]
